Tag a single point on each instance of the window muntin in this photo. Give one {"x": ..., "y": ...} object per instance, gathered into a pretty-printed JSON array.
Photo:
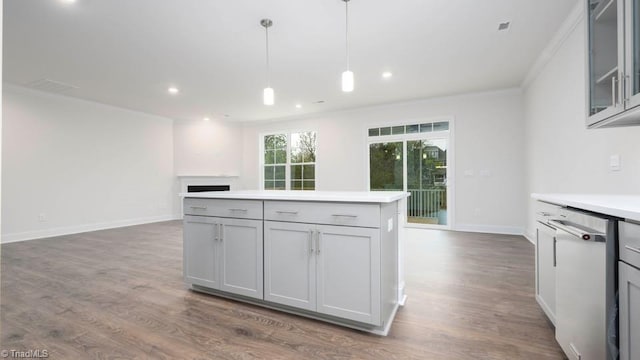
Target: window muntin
[{"x": 409, "y": 129}]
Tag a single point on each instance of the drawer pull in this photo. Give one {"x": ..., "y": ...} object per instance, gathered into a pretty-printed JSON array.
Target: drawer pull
[
  {"x": 345, "y": 215},
  {"x": 199, "y": 207},
  {"x": 311, "y": 241},
  {"x": 242, "y": 210},
  {"x": 635, "y": 250},
  {"x": 287, "y": 212}
]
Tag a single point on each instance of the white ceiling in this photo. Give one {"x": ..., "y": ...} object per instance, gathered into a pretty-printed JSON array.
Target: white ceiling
[{"x": 128, "y": 52}]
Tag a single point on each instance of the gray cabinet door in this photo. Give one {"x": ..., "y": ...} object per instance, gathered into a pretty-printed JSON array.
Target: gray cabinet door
[
  {"x": 240, "y": 249},
  {"x": 546, "y": 270},
  {"x": 200, "y": 258},
  {"x": 289, "y": 264},
  {"x": 629, "y": 312},
  {"x": 348, "y": 266}
]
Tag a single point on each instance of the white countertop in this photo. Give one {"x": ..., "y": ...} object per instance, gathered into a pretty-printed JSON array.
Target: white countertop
[
  {"x": 333, "y": 196},
  {"x": 624, "y": 206}
]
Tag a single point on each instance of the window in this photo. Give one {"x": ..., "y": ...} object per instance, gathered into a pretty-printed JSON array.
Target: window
[
  {"x": 289, "y": 161},
  {"x": 409, "y": 129}
]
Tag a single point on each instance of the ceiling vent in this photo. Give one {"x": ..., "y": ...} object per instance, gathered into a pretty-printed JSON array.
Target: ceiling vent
[
  {"x": 504, "y": 26},
  {"x": 51, "y": 86}
]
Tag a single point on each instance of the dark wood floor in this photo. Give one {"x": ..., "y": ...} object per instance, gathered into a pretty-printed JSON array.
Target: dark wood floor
[{"x": 118, "y": 294}]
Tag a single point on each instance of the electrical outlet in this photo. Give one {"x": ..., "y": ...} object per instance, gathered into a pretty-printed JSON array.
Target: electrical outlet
[{"x": 42, "y": 217}]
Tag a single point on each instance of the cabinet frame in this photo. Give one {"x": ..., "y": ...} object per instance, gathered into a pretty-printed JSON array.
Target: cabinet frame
[
  {"x": 628, "y": 276},
  {"x": 314, "y": 241},
  {"x": 625, "y": 109},
  {"x": 221, "y": 277}
]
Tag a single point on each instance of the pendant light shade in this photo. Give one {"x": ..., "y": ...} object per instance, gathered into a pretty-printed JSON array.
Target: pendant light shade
[
  {"x": 347, "y": 81},
  {"x": 268, "y": 96},
  {"x": 347, "y": 75}
]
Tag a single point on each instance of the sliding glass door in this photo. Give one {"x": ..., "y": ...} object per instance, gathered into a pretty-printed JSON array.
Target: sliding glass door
[
  {"x": 427, "y": 181},
  {"x": 416, "y": 163}
]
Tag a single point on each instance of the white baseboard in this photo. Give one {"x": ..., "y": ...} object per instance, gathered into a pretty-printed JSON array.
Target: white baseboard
[
  {"x": 531, "y": 237},
  {"x": 68, "y": 230},
  {"x": 490, "y": 229},
  {"x": 402, "y": 297}
]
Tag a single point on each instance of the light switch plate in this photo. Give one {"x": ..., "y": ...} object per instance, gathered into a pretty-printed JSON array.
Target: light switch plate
[{"x": 615, "y": 164}]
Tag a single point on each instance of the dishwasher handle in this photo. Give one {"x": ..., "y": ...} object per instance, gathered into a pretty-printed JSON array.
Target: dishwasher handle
[{"x": 579, "y": 233}]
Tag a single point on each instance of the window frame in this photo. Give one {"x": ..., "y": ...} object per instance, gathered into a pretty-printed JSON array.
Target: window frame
[
  {"x": 287, "y": 172},
  {"x": 450, "y": 183}
]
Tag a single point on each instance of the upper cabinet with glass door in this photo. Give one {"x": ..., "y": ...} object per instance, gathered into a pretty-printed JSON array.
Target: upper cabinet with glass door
[{"x": 613, "y": 92}]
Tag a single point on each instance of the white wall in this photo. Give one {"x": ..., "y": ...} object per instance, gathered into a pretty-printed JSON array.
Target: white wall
[
  {"x": 562, "y": 156},
  {"x": 488, "y": 138},
  {"x": 82, "y": 165},
  {"x": 207, "y": 148}
]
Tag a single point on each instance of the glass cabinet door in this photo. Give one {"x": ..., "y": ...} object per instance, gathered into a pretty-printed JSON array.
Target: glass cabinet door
[
  {"x": 633, "y": 52},
  {"x": 605, "y": 62}
]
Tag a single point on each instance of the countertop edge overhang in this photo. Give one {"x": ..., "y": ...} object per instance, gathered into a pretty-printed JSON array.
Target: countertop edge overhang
[
  {"x": 324, "y": 196},
  {"x": 622, "y": 206}
]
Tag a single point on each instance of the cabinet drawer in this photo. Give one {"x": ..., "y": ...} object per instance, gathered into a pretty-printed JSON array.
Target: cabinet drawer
[
  {"x": 630, "y": 243},
  {"x": 240, "y": 209},
  {"x": 349, "y": 214}
]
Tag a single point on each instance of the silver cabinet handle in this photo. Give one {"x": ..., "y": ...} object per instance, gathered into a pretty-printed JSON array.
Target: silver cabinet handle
[
  {"x": 586, "y": 236},
  {"x": 627, "y": 87},
  {"x": 199, "y": 207},
  {"x": 318, "y": 234},
  {"x": 242, "y": 210},
  {"x": 221, "y": 227},
  {"x": 287, "y": 212},
  {"x": 555, "y": 241},
  {"x": 614, "y": 102},
  {"x": 215, "y": 232},
  {"x": 345, "y": 215},
  {"x": 635, "y": 250},
  {"x": 311, "y": 241},
  {"x": 620, "y": 88}
]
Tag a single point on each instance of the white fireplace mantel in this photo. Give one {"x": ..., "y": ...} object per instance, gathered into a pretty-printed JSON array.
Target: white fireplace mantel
[{"x": 185, "y": 180}]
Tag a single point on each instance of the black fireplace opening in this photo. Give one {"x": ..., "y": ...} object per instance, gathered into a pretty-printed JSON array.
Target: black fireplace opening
[{"x": 202, "y": 188}]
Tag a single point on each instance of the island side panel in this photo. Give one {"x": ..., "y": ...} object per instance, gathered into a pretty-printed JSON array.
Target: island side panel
[{"x": 389, "y": 258}]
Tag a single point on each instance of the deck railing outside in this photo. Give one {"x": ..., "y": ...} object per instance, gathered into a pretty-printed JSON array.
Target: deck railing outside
[{"x": 426, "y": 203}]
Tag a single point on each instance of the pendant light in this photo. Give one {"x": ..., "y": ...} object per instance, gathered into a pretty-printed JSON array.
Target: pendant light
[
  {"x": 347, "y": 75},
  {"x": 267, "y": 94}
]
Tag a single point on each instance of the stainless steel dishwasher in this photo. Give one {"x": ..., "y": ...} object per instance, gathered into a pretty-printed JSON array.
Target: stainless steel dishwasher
[{"x": 586, "y": 285}]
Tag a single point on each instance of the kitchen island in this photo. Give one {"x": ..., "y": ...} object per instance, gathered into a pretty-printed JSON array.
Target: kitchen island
[{"x": 331, "y": 256}]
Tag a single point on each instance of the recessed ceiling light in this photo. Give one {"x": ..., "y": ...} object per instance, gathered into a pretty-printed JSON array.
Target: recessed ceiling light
[
  {"x": 298, "y": 106},
  {"x": 173, "y": 90},
  {"x": 206, "y": 119},
  {"x": 387, "y": 74}
]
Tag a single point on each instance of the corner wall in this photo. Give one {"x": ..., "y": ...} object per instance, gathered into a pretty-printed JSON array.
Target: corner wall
[
  {"x": 71, "y": 165},
  {"x": 562, "y": 156}
]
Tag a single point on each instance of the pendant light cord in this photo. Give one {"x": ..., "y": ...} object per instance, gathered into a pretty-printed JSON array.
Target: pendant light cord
[
  {"x": 267, "y": 51},
  {"x": 346, "y": 7}
]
